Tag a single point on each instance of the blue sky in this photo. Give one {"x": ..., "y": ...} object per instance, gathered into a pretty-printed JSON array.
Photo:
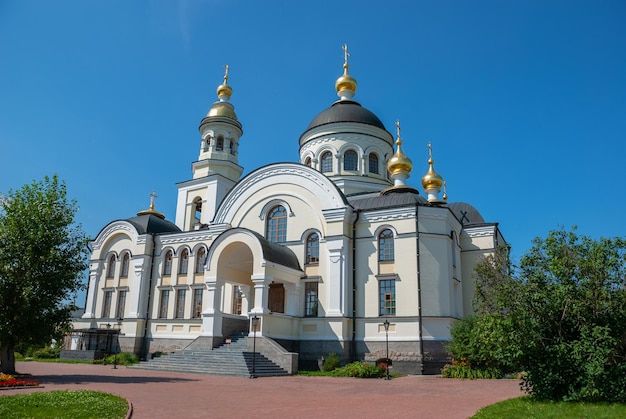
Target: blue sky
[{"x": 524, "y": 101}]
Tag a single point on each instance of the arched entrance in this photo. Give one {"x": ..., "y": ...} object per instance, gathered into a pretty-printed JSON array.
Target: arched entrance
[{"x": 248, "y": 276}]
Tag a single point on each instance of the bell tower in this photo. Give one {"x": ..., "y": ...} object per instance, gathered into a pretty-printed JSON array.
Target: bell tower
[{"x": 217, "y": 169}]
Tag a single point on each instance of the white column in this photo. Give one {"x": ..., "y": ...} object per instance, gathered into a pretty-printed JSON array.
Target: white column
[
  {"x": 212, "y": 315},
  {"x": 261, "y": 292},
  {"x": 246, "y": 298},
  {"x": 337, "y": 277},
  {"x": 95, "y": 269},
  {"x": 294, "y": 297},
  {"x": 138, "y": 290}
]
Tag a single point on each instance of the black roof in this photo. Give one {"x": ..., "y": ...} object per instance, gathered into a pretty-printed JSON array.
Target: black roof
[
  {"x": 346, "y": 111},
  {"x": 276, "y": 253},
  {"x": 150, "y": 223},
  {"x": 389, "y": 200},
  {"x": 466, "y": 213}
]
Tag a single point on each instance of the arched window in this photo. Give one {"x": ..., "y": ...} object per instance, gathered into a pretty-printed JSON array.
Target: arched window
[
  {"x": 167, "y": 263},
  {"x": 327, "y": 162},
  {"x": 385, "y": 246},
  {"x": 197, "y": 205},
  {"x": 219, "y": 144},
  {"x": 350, "y": 160},
  {"x": 111, "y": 267},
  {"x": 312, "y": 248},
  {"x": 277, "y": 225},
  {"x": 200, "y": 260},
  {"x": 373, "y": 163},
  {"x": 307, "y": 161},
  {"x": 125, "y": 265},
  {"x": 183, "y": 262}
]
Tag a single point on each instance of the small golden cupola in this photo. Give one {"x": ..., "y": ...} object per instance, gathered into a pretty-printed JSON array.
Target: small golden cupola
[
  {"x": 151, "y": 210},
  {"x": 346, "y": 84},
  {"x": 399, "y": 166},
  {"x": 223, "y": 107},
  {"x": 432, "y": 181}
]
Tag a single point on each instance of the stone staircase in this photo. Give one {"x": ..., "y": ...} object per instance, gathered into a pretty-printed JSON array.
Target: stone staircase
[{"x": 228, "y": 359}]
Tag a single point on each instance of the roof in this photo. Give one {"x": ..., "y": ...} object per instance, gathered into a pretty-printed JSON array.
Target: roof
[
  {"x": 273, "y": 252},
  {"x": 389, "y": 200},
  {"x": 150, "y": 223},
  {"x": 466, "y": 213},
  {"x": 346, "y": 111}
]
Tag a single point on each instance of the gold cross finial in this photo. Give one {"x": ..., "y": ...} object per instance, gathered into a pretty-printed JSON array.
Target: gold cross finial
[
  {"x": 430, "y": 150},
  {"x": 346, "y": 54},
  {"x": 153, "y": 195},
  {"x": 225, "y": 73},
  {"x": 398, "y": 129}
]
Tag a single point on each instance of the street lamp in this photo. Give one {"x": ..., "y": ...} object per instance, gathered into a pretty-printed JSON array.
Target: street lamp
[
  {"x": 119, "y": 327},
  {"x": 386, "y": 324},
  {"x": 255, "y": 323}
]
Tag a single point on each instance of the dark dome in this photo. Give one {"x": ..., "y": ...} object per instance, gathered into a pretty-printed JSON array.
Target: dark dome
[
  {"x": 149, "y": 223},
  {"x": 466, "y": 213},
  {"x": 346, "y": 111}
]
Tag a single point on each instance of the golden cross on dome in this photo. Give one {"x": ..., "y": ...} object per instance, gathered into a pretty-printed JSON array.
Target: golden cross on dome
[
  {"x": 153, "y": 195},
  {"x": 346, "y": 54},
  {"x": 398, "y": 129},
  {"x": 225, "y": 73},
  {"x": 430, "y": 150}
]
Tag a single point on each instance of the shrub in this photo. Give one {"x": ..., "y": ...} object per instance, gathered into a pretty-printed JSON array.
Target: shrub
[
  {"x": 464, "y": 370},
  {"x": 331, "y": 362},
  {"x": 361, "y": 369},
  {"x": 123, "y": 358},
  {"x": 47, "y": 353}
]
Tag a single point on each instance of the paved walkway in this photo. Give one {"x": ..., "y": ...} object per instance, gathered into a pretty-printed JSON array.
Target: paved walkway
[{"x": 161, "y": 394}]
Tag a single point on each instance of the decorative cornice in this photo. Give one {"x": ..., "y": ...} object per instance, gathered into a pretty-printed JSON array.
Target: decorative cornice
[
  {"x": 337, "y": 214},
  {"x": 193, "y": 236},
  {"x": 388, "y": 214},
  {"x": 482, "y": 231}
]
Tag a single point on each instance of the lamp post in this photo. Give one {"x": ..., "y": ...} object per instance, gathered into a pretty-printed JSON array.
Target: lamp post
[
  {"x": 255, "y": 323},
  {"x": 386, "y": 324},
  {"x": 119, "y": 327}
]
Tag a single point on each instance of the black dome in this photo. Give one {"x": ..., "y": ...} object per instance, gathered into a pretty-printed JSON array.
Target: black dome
[{"x": 346, "y": 111}]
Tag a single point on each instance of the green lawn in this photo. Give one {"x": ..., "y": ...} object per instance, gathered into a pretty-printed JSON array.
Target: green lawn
[
  {"x": 526, "y": 407},
  {"x": 80, "y": 404}
]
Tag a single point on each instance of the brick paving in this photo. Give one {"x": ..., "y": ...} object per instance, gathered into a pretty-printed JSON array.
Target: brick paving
[{"x": 159, "y": 394}]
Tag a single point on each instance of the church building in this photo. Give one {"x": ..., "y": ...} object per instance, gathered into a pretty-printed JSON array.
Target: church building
[{"x": 332, "y": 253}]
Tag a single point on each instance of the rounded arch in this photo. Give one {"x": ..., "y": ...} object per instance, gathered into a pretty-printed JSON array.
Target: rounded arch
[
  {"x": 310, "y": 231},
  {"x": 112, "y": 231},
  {"x": 322, "y": 192},
  {"x": 271, "y": 204},
  {"x": 383, "y": 227}
]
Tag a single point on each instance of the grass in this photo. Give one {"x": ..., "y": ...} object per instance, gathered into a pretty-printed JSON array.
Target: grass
[
  {"x": 81, "y": 404},
  {"x": 527, "y": 407}
]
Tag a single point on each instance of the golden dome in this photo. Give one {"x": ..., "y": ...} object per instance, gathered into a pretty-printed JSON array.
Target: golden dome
[
  {"x": 431, "y": 179},
  {"x": 345, "y": 83},
  {"x": 222, "y": 109},
  {"x": 399, "y": 162},
  {"x": 224, "y": 89}
]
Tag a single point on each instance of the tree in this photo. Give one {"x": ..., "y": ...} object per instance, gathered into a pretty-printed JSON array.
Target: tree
[
  {"x": 42, "y": 256},
  {"x": 560, "y": 317}
]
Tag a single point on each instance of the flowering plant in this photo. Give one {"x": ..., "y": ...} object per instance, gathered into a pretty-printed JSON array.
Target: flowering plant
[{"x": 7, "y": 380}]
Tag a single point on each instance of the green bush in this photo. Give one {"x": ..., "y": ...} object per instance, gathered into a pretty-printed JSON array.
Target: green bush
[
  {"x": 361, "y": 369},
  {"x": 331, "y": 362},
  {"x": 458, "y": 370},
  {"x": 47, "y": 353},
  {"x": 123, "y": 358}
]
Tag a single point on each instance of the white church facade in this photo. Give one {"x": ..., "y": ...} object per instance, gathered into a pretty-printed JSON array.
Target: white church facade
[{"x": 321, "y": 251}]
